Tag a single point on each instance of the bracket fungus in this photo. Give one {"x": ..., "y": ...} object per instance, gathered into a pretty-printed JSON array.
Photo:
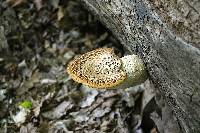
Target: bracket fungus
[{"x": 103, "y": 69}]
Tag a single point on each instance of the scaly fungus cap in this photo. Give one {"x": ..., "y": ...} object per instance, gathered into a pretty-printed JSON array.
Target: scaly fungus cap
[{"x": 99, "y": 68}]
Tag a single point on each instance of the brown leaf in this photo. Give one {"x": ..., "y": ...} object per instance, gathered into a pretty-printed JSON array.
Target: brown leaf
[{"x": 15, "y": 3}]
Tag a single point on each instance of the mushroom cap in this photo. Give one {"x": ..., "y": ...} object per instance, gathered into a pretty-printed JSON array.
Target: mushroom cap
[{"x": 99, "y": 68}]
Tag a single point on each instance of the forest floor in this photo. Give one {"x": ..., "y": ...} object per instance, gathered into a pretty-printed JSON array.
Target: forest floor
[{"x": 38, "y": 39}]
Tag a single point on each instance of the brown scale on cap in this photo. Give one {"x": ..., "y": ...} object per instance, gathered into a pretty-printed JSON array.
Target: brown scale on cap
[{"x": 99, "y": 68}]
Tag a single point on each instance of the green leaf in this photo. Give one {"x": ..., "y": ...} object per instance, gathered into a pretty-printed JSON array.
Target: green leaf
[{"x": 26, "y": 104}]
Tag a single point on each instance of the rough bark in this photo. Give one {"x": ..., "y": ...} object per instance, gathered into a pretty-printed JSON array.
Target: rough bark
[{"x": 166, "y": 35}]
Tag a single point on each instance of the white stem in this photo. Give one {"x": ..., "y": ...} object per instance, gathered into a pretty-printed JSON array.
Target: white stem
[{"x": 133, "y": 66}]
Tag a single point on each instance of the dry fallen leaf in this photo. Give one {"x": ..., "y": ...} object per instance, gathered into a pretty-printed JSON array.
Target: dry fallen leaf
[
  {"x": 15, "y": 3},
  {"x": 60, "y": 13},
  {"x": 59, "y": 111},
  {"x": 90, "y": 95},
  {"x": 38, "y": 4}
]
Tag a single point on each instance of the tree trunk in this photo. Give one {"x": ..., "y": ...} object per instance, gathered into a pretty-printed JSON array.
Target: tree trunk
[{"x": 166, "y": 34}]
